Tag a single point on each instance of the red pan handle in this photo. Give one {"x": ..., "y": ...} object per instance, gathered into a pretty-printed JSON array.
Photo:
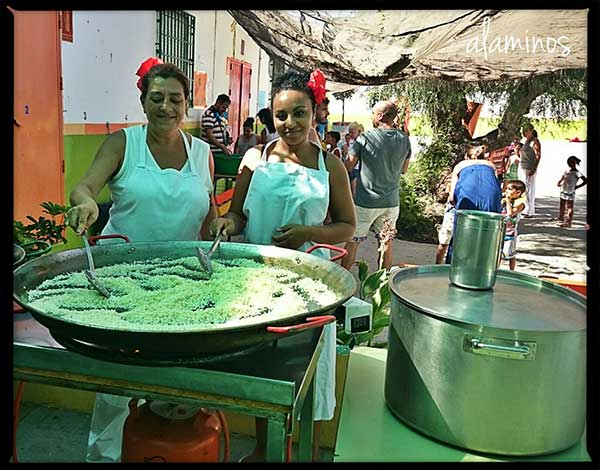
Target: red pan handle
[
  {"x": 342, "y": 251},
  {"x": 311, "y": 322},
  {"x": 93, "y": 239}
]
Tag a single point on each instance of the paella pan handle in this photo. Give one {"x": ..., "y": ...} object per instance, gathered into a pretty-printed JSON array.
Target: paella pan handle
[
  {"x": 342, "y": 252},
  {"x": 311, "y": 322},
  {"x": 93, "y": 239}
]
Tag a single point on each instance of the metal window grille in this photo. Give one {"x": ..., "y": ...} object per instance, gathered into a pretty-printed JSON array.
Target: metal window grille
[{"x": 175, "y": 33}]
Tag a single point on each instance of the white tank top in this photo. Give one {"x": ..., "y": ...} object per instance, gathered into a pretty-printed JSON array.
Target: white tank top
[{"x": 155, "y": 204}]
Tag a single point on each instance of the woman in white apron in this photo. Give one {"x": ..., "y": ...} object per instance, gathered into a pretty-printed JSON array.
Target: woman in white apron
[
  {"x": 160, "y": 180},
  {"x": 282, "y": 195}
]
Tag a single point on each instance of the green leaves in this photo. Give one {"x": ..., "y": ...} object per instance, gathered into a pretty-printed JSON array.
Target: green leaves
[
  {"x": 363, "y": 271},
  {"x": 372, "y": 283},
  {"x": 46, "y": 229},
  {"x": 373, "y": 288}
]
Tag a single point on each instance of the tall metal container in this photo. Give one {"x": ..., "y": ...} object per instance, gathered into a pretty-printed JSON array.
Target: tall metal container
[
  {"x": 500, "y": 371},
  {"x": 477, "y": 247}
]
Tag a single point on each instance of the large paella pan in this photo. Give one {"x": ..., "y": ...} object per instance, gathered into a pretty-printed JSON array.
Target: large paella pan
[{"x": 153, "y": 343}]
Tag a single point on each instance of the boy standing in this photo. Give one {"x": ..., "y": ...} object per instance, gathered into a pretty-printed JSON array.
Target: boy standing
[
  {"x": 513, "y": 203},
  {"x": 568, "y": 184}
]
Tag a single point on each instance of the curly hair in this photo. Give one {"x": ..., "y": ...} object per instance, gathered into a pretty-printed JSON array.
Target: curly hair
[
  {"x": 292, "y": 80},
  {"x": 165, "y": 71}
]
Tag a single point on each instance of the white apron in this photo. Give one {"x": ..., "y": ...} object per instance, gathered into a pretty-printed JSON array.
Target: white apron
[
  {"x": 159, "y": 204},
  {"x": 288, "y": 193},
  {"x": 149, "y": 204}
]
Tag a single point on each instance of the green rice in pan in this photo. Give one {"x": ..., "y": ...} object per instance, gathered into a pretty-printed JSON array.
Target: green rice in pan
[{"x": 177, "y": 294}]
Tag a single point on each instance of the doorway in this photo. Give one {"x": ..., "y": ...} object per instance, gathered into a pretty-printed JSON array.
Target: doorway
[{"x": 240, "y": 76}]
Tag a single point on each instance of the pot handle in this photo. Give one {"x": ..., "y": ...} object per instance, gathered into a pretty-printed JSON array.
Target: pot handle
[
  {"x": 509, "y": 349},
  {"x": 312, "y": 322},
  {"x": 94, "y": 238},
  {"x": 342, "y": 251}
]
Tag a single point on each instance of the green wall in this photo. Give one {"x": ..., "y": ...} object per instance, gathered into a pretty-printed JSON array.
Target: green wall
[{"x": 79, "y": 152}]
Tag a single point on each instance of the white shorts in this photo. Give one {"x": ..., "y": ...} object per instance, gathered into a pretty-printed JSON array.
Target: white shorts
[
  {"x": 567, "y": 196},
  {"x": 447, "y": 228},
  {"x": 372, "y": 218},
  {"x": 509, "y": 248}
]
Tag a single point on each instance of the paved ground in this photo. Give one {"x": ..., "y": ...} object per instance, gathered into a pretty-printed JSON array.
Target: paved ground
[{"x": 543, "y": 247}]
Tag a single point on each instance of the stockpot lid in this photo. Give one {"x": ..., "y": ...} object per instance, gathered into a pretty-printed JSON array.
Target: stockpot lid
[{"x": 517, "y": 301}]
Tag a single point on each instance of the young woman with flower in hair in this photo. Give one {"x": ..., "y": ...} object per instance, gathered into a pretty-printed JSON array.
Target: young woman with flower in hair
[{"x": 283, "y": 193}]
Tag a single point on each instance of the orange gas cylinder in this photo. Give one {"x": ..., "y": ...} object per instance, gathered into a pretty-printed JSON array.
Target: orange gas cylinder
[{"x": 150, "y": 437}]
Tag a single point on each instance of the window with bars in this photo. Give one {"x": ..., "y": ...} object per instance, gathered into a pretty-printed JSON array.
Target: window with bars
[{"x": 175, "y": 33}]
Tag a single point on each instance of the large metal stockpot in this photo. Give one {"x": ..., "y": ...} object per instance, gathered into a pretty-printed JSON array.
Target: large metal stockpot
[
  {"x": 499, "y": 371},
  {"x": 161, "y": 345}
]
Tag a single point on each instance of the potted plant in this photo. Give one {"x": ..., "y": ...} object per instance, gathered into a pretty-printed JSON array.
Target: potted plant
[
  {"x": 39, "y": 235},
  {"x": 373, "y": 288}
]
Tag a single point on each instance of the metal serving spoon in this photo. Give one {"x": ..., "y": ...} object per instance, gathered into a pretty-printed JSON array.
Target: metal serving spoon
[
  {"x": 204, "y": 257},
  {"x": 91, "y": 272}
]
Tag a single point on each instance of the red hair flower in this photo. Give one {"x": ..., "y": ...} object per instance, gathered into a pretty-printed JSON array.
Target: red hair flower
[
  {"x": 316, "y": 83},
  {"x": 145, "y": 68}
]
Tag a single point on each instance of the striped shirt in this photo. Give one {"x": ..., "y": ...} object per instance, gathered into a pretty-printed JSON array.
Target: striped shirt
[{"x": 210, "y": 121}]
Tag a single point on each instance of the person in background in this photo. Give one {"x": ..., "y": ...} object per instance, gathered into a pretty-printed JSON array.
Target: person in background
[
  {"x": 160, "y": 179},
  {"x": 283, "y": 193},
  {"x": 247, "y": 139},
  {"x": 511, "y": 168},
  {"x": 268, "y": 133},
  {"x": 344, "y": 145},
  {"x": 331, "y": 139},
  {"x": 354, "y": 130},
  {"x": 384, "y": 154},
  {"x": 445, "y": 231},
  {"x": 513, "y": 203},
  {"x": 568, "y": 185},
  {"x": 474, "y": 186},
  {"x": 321, "y": 115},
  {"x": 214, "y": 125},
  {"x": 530, "y": 154}
]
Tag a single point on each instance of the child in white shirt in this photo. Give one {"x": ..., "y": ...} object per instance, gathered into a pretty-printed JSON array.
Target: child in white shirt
[{"x": 568, "y": 185}]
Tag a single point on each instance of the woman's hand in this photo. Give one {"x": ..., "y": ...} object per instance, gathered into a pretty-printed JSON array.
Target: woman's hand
[
  {"x": 222, "y": 225},
  {"x": 292, "y": 236},
  {"x": 80, "y": 217}
]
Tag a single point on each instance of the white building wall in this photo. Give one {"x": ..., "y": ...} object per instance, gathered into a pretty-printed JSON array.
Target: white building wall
[
  {"x": 99, "y": 66},
  {"x": 99, "y": 81}
]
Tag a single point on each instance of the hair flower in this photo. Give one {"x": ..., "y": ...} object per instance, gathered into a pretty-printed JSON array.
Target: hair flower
[
  {"x": 145, "y": 68},
  {"x": 316, "y": 83}
]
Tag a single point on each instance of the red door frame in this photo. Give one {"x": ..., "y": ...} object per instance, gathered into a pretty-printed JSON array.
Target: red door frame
[{"x": 240, "y": 77}]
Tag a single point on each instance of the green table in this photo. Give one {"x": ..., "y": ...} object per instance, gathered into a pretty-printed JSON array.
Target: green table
[
  {"x": 274, "y": 382},
  {"x": 369, "y": 431}
]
